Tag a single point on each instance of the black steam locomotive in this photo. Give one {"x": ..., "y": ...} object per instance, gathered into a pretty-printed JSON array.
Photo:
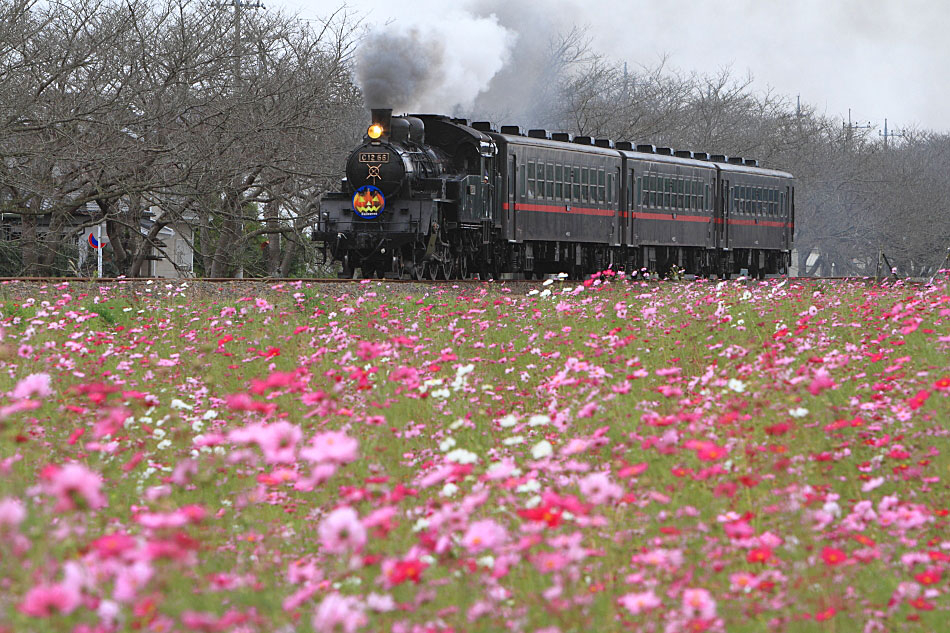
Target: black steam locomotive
[{"x": 429, "y": 196}]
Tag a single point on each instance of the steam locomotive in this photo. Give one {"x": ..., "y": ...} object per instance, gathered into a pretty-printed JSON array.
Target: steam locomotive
[{"x": 433, "y": 197}]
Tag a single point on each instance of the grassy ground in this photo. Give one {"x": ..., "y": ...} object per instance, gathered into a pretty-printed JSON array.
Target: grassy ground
[{"x": 625, "y": 455}]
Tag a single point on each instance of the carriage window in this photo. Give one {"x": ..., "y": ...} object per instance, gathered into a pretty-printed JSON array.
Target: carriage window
[
  {"x": 558, "y": 182},
  {"x": 585, "y": 182},
  {"x": 781, "y": 203},
  {"x": 576, "y": 180},
  {"x": 522, "y": 182},
  {"x": 549, "y": 181},
  {"x": 610, "y": 188},
  {"x": 639, "y": 191},
  {"x": 531, "y": 181},
  {"x": 601, "y": 185},
  {"x": 707, "y": 198}
]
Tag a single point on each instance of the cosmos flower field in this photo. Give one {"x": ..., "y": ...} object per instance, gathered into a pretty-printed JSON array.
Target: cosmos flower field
[{"x": 616, "y": 455}]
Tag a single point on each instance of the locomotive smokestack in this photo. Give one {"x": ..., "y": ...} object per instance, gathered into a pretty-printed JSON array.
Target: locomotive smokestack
[{"x": 383, "y": 118}]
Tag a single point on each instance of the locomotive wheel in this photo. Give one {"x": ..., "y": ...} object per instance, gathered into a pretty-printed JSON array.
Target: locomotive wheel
[
  {"x": 448, "y": 269},
  {"x": 463, "y": 267},
  {"x": 430, "y": 270}
]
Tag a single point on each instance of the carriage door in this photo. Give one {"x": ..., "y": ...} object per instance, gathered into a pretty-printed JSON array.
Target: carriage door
[
  {"x": 722, "y": 215},
  {"x": 632, "y": 238},
  {"x": 509, "y": 229},
  {"x": 613, "y": 201}
]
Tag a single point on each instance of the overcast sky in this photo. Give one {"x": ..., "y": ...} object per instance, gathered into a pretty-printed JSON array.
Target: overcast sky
[{"x": 881, "y": 58}]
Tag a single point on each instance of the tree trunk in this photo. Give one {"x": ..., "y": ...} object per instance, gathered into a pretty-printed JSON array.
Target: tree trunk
[{"x": 29, "y": 244}]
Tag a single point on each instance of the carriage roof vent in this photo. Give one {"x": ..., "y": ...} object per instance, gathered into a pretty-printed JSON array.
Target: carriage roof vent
[
  {"x": 751, "y": 162},
  {"x": 484, "y": 126},
  {"x": 564, "y": 137},
  {"x": 646, "y": 149},
  {"x": 718, "y": 158},
  {"x": 683, "y": 153},
  {"x": 465, "y": 122},
  {"x": 583, "y": 140},
  {"x": 624, "y": 145},
  {"x": 735, "y": 160},
  {"x": 513, "y": 130},
  {"x": 700, "y": 155},
  {"x": 539, "y": 133},
  {"x": 665, "y": 151},
  {"x": 604, "y": 142}
]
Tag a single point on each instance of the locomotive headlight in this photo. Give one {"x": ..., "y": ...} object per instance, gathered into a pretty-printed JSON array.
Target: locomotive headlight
[{"x": 375, "y": 131}]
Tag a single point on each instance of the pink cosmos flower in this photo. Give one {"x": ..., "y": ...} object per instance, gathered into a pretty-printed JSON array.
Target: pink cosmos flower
[
  {"x": 698, "y": 602},
  {"x": 597, "y": 488},
  {"x": 278, "y": 441},
  {"x": 637, "y": 603},
  {"x": 75, "y": 486},
  {"x": 12, "y": 513},
  {"x": 334, "y": 447},
  {"x": 742, "y": 581},
  {"x": 33, "y": 385},
  {"x": 484, "y": 535},
  {"x": 547, "y": 562},
  {"x": 342, "y": 531},
  {"x": 820, "y": 382},
  {"x": 338, "y": 614},
  {"x": 45, "y": 600}
]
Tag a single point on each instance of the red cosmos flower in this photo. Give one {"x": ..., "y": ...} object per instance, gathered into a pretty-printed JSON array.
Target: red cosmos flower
[
  {"x": 833, "y": 556},
  {"x": 759, "y": 555},
  {"x": 930, "y": 576},
  {"x": 921, "y": 605},
  {"x": 546, "y": 513},
  {"x": 943, "y": 384},
  {"x": 863, "y": 540},
  {"x": 919, "y": 399},
  {"x": 404, "y": 570},
  {"x": 827, "y": 614}
]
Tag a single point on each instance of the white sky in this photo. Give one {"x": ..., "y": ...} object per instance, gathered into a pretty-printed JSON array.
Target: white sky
[{"x": 881, "y": 58}]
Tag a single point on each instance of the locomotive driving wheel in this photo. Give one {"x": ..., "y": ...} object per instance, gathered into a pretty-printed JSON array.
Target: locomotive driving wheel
[{"x": 448, "y": 268}]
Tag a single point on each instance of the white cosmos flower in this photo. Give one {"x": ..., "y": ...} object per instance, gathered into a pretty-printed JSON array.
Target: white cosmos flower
[
  {"x": 511, "y": 441},
  {"x": 180, "y": 404},
  {"x": 531, "y": 485},
  {"x": 508, "y": 420},
  {"x": 446, "y": 444},
  {"x": 736, "y": 385},
  {"x": 542, "y": 449},
  {"x": 798, "y": 412},
  {"x": 538, "y": 420},
  {"x": 449, "y": 489},
  {"x": 462, "y": 456}
]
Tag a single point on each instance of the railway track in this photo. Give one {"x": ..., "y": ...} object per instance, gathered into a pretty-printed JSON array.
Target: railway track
[{"x": 334, "y": 281}]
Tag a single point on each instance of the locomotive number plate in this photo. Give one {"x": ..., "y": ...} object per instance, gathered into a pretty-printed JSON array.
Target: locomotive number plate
[{"x": 374, "y": 157}]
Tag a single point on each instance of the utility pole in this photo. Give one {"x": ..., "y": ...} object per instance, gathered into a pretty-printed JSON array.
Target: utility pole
[
  {"x": 850, "y": 127},
  {"x": 887, "y": 135},
  {"x": 238, "y": 54},
  {"x": 238, "y": 48}
]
